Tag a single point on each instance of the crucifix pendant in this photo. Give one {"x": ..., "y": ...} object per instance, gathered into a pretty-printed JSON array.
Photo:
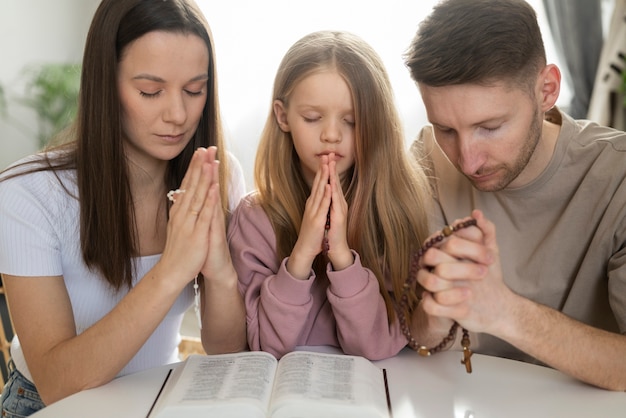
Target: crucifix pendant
[{"x": 467, "y": 352}]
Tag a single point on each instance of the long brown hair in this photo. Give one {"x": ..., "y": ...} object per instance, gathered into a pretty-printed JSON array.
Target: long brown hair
[
  {"x": 95, "y": 150},
  {"x": 387, "y": 193}
]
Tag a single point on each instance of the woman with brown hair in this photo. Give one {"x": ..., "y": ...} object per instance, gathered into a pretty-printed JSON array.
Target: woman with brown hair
[{"x": 99, "y": 267}]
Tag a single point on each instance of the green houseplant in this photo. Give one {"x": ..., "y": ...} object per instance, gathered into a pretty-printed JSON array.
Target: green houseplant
[{"x": 51, "y": 90}]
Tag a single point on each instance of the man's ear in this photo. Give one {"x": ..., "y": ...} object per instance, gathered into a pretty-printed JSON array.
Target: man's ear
[
  {"x": 280, "y": 113},
  {"x": 549, "y": 86}
]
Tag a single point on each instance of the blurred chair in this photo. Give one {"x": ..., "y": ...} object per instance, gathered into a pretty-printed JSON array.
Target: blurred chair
[
  {"x": 6, "y": 334},
  {"x": 189, "y": 345}
]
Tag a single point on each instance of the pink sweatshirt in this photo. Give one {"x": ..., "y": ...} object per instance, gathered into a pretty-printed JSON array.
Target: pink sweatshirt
[{"x": 282, "y": 312}]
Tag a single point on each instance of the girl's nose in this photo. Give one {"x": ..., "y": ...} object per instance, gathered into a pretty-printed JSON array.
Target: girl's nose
[{"x": 331, "y": 132}]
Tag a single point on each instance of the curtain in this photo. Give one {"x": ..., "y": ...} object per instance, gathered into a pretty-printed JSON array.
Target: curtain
[
  {"x": 576, "y": 27},
  {"x": 607, "y": 102}
]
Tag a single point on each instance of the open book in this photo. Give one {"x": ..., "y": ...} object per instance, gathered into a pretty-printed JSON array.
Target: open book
[{"x": 254, "y": 384}]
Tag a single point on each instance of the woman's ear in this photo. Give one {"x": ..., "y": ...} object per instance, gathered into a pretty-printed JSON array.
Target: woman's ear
[
  {"x": 549, "y": 85},
  {"x": 280, "y": 113}
]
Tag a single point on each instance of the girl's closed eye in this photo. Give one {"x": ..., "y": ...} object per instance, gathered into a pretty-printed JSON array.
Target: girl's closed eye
[
  {"x": 311, "y": 118},
  {"x": 443, "y": 131}
]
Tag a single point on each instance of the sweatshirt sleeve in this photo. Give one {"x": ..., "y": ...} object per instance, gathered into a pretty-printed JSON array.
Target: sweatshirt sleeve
[
  {"x": 282, "y": 312},
  {"x": 360, "y": 312},
  {"x": 277, "y": 304}
]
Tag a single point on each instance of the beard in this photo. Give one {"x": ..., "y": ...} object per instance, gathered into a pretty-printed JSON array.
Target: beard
[{"x": 526, "y": 152}]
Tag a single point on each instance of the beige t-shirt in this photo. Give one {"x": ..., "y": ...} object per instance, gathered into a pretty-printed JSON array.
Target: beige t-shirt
[{"x": 562, "y": 237}]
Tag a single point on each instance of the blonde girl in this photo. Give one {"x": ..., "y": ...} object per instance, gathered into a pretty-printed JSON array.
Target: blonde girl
[{"x": 323, "y": 246}]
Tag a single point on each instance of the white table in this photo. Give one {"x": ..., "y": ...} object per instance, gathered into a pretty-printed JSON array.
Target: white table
[{"x": 432, "y": 387}]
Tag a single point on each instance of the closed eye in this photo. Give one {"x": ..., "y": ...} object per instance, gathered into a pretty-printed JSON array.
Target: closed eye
[
  {"x": 194, "y": 93},
  {"x": 149, "y": 95},
  {"x": 442, "y": 129},
  {"x": 157, "y": 93}
]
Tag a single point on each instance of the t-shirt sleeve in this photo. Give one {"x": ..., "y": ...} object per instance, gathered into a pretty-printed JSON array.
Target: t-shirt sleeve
[
  {"x": 617, "y": 287},
  {"x": 29, "y": 241}
]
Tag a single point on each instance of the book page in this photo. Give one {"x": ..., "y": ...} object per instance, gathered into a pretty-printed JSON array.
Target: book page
[
  {"x": 225, "y": 385},
  {"x": 330, "y": 385}
]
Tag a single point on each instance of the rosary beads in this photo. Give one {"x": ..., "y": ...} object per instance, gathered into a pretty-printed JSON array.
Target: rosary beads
[
  {"x": 404, "y": 302},
  {"x": 325, "y": 246}
]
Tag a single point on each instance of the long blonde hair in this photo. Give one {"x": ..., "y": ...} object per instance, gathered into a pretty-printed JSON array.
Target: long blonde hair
[{"x": 387, "y": 193}]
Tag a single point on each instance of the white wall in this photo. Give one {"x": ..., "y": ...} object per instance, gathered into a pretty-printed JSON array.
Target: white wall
[
  {"x": 251, "y": 37},
  {"x": 32, "y": 32}
]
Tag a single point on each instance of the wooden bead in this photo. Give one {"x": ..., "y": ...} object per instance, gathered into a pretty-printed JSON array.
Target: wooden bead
[{"x": 423, "y": 351}]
